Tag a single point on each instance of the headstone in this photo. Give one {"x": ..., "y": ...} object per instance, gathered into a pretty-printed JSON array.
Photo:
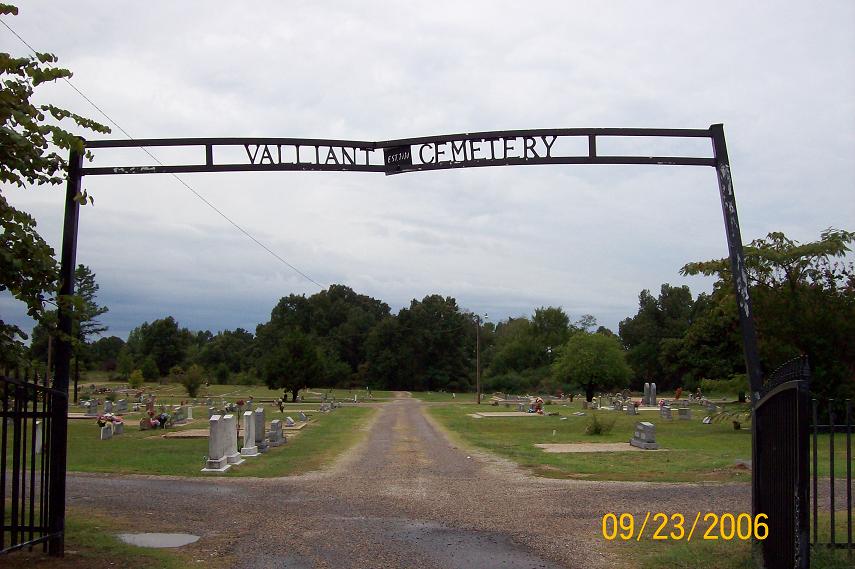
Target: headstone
[
  {"x": 233, "y": 457},
  {"x": 631, "y": 409},
  {"x": 136, "y": 407},
  {"x": 211, "y": 412},
  {"x": 665, "y": 412},
  {"x": 644, "y": 436},
  {"x": 122, "y": 406},
  {"x": 302, "y": 417},
  {"x": 684, "y": 414},
  {"x": 521, "y": 408},
  {"x": 38, "y": 437},
  {"x": 260, "y": 432},
  {"x": 92, "y": 409},
  {"x": 217, "y": 461},
  {"x": 646, "y": 399},
  {"x": 108, "y": 406},
  {"x": 275, "y": 435},
  {"x": 118, "y": 428},
  {"x": 188, "y": 412},
  {"x": 617, "y": 406},
  {"x": 584, "y": 404},
  {"x": 289, "y": 422},
  {"x": 248, "y": 424},
  {"x": 652, "y": 394},
  {"x": 106, "y": 432},
  {"x": 707, "y": 420}
]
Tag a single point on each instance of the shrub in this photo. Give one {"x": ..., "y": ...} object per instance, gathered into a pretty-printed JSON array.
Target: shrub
[
  {"x": 732, "y": 386},
  {"x": 599, "y": 427},
  {"x": 135, "y": 380},
  {"x": 192, "y": 380}
]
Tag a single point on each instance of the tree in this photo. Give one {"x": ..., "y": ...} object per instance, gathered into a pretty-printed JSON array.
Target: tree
[
  {"x": 592, "y": 361},
  {"x": 124, "y": 363},
  {"x": 163, "y": 340},
  {"x": 32, "y": 146},
  {"x": 191, "y": 379},
  {"x": 290, "y": 362},
  {"x": 658, "y": 319},
  {"x": 149, "y": 369},
  {"x": 105, "y": 352},
  {"x": 804, "y": 303}
]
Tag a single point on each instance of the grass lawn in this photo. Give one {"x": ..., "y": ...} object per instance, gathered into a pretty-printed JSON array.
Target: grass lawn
[
  {"x": 697, "y": 452},
  {"x": 91, "y": 543},
  {"x": 146, "y": 452}
]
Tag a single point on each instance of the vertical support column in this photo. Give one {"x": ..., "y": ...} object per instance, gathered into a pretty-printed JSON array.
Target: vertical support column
[
  {"x": 743, "y": 302},
  {"x": 737, "y": 262},
  {"x": 478, "y": 359},
  {"x": 59, "y": 422}
]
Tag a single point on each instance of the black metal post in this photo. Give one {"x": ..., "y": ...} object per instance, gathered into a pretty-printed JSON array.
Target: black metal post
[
  {"x": 743, "y": 298},
  {"x": 59, "y": 424}
]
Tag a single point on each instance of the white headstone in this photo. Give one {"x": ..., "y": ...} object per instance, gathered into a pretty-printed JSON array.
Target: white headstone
[
  {"x": 188, "y": 411},
  {"x": 38, "y": 437},
  {"x": 248, "y": 424},
  {"x": 217, "y": 461},
  {"x": 230, "y": 426},
  {"x": 289, "y": 422},
  {"x": 302, "y": 417}
]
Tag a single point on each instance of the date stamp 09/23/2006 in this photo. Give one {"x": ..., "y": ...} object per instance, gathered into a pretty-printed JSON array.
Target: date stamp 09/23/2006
[{"x": 661, "y": 526}]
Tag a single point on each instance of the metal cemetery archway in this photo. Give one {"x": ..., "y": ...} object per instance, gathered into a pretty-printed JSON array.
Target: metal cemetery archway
[{"x": 479, "y": 149}]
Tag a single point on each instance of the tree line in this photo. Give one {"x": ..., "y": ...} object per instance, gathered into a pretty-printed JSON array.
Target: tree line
[{"x": 804, "y": 303}]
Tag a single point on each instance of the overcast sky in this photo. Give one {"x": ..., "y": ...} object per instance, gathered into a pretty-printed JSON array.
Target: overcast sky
[{"x": 503, "y": 241}]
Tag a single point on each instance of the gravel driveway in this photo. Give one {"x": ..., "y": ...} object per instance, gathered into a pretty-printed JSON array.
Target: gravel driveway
[{"x": 405, "y": 497}]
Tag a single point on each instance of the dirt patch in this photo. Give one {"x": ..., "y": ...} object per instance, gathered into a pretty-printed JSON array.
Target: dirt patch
[{"x": 591, "y": 447}]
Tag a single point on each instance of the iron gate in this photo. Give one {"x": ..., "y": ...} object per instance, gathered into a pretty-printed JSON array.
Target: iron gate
[
  {"x": 781, "y": 465},
  {"x": 28, "y": 510}
]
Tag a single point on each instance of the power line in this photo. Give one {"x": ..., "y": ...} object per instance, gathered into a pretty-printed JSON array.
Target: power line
[{"x": 180, "y": 180}]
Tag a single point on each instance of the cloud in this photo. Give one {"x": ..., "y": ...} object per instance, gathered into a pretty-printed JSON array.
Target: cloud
[{"x": 502, "y": 240}]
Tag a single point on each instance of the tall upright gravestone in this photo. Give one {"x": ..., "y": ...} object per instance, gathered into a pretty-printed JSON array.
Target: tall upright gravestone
[
  {"x": 233, "y": 457},
  {"x": 260, "y": 432},
  {"x": 646, "y": 399},
  {"x": 217, "y": 461},
  {"x": 248, "y": 424}
]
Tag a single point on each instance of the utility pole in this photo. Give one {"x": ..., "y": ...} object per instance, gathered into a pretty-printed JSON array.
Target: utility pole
[{"x": 478, "y": 359}]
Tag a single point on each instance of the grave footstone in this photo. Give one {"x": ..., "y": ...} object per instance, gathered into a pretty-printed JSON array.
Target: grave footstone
[
  {"x": 106, "y": 432},
  {"x": 260, "y": 433},
  {"x": 644, "y": 436},
  {"x": 684, "y": 414},
  {"x": 248, "y": 424},
  {"x": 217, "y": 461},
  {"x": 232, "y": 455},
  {"x": 707, "y": 420}
]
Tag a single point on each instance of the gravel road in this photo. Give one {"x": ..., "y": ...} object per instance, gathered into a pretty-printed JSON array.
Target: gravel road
[{"x": 405, "y": 497}]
